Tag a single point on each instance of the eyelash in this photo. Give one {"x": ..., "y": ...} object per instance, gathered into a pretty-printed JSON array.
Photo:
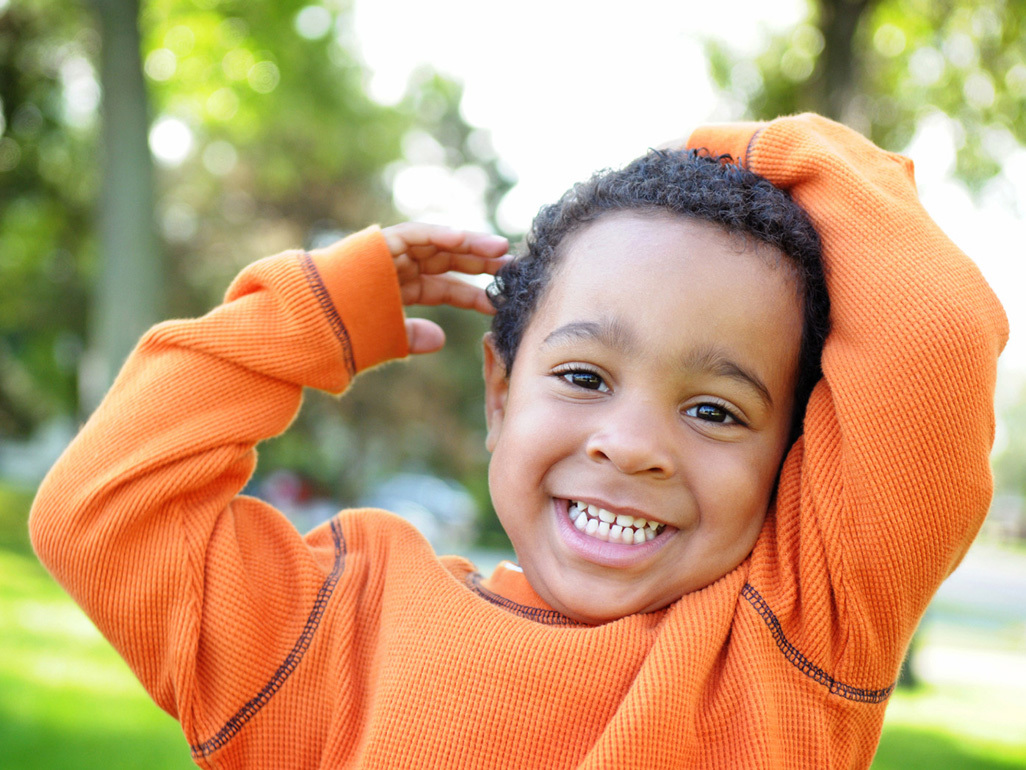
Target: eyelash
[
  {"x": 566, "y": 373},
  {"x": 731, "y": 414}
]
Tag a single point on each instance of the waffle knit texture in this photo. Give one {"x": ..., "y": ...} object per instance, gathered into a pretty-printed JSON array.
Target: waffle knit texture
[{"x": 355, "y": 646}]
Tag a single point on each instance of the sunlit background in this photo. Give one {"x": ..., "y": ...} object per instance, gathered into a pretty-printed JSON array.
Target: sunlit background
[{"x": 148, "y": 151}]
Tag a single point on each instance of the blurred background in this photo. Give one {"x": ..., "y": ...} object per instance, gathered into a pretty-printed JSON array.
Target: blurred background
[{"x": 151, "y": 148}]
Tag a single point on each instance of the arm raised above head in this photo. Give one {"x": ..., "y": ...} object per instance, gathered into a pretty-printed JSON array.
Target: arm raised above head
[{"x": 891, "y": 479}]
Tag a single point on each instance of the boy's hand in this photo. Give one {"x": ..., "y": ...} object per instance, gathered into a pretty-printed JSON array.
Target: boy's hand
[{"x": 423, "y": 254}]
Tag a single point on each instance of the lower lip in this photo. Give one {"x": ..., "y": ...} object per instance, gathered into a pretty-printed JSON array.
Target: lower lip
[{"x": 601, "y": 552}]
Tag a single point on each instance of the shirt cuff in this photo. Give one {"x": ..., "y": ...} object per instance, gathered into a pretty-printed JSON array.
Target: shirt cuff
[
  {"x": 360, "y": 279},
  {"x": 733, "y": 139}
]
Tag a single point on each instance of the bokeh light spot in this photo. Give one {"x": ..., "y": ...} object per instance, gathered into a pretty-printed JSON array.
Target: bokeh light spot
[{"x": 170, "y": 141}]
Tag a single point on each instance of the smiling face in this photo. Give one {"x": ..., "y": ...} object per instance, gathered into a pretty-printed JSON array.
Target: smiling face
[{"x": 655, "y": 381}]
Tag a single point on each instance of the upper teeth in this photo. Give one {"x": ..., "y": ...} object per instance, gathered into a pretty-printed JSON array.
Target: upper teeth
[{"x": 615, "y": 528}]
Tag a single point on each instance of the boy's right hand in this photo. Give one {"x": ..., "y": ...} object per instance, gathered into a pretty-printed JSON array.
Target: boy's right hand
[{"x": 423, "y": 255}]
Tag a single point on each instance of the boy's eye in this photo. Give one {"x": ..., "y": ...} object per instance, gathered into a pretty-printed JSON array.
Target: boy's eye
[
  {"x": 712, "y": 413},
  {"x": 584, "y": 379}
]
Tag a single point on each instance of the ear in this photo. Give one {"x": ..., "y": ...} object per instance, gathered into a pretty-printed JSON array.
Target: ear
[{"x": 496, "y": 390}]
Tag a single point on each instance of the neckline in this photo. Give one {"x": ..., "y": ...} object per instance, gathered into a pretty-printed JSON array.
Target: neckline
[{"x": 507, "y": 587}]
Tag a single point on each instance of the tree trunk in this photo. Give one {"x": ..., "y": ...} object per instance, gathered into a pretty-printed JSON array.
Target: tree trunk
[
  {"x": 836, "y": 80},
  {"x": 127, "y": 296}
]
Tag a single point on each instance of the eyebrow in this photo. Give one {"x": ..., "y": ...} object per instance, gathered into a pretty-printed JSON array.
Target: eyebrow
[
  {"x": 609, "y": 331},
  {"x": 717, "y": 361},
  {"x": 614, "y": 334}
]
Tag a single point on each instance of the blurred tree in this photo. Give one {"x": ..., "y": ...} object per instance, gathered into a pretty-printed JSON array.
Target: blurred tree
[
  {"x": 883, "y": 65},
  {"x": 127, "y": 296},
  {"x": 48, "y": 99},
  {"x": 264, "y": 139}
]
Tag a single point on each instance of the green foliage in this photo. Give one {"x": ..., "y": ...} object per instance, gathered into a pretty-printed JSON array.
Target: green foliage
[
  {"x": 899, "y": 62},
  {"x": 284, "y": 139},
  {"x": 47, "y": 179},
  {"x": 285, "y": 148}
]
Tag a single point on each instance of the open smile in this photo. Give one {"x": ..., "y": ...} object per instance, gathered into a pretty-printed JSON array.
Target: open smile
[
  {"x": 627, "y": 540},
  {"x": 599, "y": 523}
]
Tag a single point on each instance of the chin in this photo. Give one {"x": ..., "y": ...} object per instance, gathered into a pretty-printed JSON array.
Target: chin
[{"x": 596, "y": 610}]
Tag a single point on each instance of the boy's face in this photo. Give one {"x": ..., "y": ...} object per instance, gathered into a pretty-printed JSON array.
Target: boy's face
[{"x": 655, "y": 381}]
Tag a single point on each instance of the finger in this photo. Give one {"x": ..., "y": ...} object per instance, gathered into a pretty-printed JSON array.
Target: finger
[
  {"x": 423, "y": 336},
  {"x": 469, "y": 264},
  {"x": 406, "y": 234},
  {"x": 446, "y": 290},
  {"x": 421, "y": 240}
]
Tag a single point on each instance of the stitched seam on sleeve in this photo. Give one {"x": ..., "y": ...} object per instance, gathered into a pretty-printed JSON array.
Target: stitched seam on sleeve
[
  {"x": 320, "y": 291},
  {"x": 803, "y": 664},
  {"x": 292, "y": 660}
]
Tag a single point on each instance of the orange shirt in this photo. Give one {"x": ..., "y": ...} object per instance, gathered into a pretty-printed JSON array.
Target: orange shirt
[{"x": 355, "y": 646}]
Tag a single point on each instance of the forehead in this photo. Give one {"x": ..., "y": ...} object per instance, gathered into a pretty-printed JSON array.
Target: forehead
[
  {"x": 634, "y": 230},
  {"x": 657, "y": 272},
  {"x": 622, "y": 244}
]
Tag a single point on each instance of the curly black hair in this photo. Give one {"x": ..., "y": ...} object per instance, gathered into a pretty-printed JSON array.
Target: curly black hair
[{"x": 691, "y": 184}]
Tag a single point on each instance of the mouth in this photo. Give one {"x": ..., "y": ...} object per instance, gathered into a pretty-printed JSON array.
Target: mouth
[{"x": 597, "y": 522}]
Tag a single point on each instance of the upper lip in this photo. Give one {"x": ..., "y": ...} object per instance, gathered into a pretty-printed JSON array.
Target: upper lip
[{"x": 616, "y": 509}]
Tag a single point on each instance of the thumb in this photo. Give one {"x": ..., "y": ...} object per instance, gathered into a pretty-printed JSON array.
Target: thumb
[{"x": 424, "y": 336}]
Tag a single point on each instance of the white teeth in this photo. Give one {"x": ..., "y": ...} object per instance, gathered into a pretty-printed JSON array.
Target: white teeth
[{"x": 615, "y": 528}]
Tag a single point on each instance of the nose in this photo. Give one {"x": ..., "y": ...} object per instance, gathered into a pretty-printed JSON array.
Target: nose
[{"x": 636, "y": 438}]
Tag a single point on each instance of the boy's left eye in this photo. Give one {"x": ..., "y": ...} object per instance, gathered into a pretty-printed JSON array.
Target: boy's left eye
[{"x": 712, "y": 413}]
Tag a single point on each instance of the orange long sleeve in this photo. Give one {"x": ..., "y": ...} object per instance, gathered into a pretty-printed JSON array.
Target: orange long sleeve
[{"x": 355, "y": 646}]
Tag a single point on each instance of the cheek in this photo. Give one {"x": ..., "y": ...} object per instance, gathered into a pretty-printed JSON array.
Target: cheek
[{"x": 735, "y": 487}]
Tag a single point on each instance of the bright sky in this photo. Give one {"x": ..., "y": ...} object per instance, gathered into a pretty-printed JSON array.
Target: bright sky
[{"x": 566, "y": 87}]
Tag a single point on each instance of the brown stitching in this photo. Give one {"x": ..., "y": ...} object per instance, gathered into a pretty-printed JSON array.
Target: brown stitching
[
  {"x": 320, "y": 291},
  {"x": 547, "y": 617},
  {"x": 802, "y": 663},
  {"x": 254, "y": 704},
  {"x": 747, "y": 160}
]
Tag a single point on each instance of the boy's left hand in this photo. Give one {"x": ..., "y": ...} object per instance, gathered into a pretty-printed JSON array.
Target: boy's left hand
[{"x": 423, "y": 254}]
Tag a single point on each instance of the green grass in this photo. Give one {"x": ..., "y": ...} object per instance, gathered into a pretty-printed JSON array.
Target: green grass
[
  {"x": 68, "y": 701},
  {"x": 957, "y": 728}
]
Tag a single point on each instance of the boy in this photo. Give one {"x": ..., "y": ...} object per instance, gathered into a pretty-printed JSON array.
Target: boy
[{"x": 762, "y": 622}]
